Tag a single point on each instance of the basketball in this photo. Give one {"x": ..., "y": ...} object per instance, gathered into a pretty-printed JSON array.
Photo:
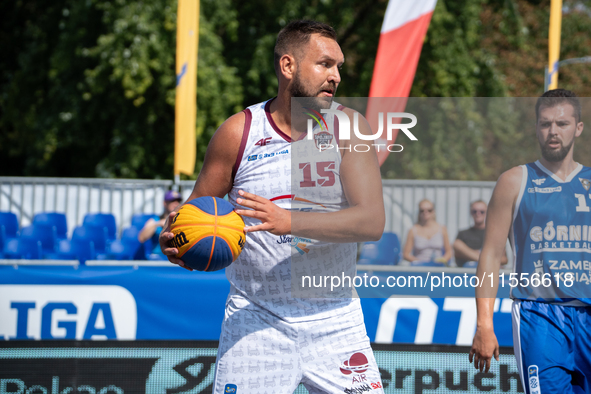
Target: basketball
[{"x": 208, "y": 234}]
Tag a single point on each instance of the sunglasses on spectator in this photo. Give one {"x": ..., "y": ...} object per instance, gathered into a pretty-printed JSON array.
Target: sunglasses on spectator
[
  {"x": 426, "y": 210},
  {"x": 475, "y": 211}
]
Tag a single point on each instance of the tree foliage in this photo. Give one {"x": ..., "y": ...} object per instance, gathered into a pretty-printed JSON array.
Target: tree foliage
[
  {"x": 489, "y": 48},
  {"x": 87, "y": 87}
]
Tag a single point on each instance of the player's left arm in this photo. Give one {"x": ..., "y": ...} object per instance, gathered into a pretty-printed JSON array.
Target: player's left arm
[
  {"x": 498, "y": 224},
  {"x": 363, "y": 220}
]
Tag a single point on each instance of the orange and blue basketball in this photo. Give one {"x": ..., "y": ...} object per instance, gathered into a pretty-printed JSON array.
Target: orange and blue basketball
[{"x": 208, "y": 234}]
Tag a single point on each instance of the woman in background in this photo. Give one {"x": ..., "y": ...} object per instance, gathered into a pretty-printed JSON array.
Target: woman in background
[{"x": 427, "y": 240}]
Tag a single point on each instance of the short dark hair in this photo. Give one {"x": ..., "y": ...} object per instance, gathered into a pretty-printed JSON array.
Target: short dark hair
[
  {"x": 558, "y": 96},
  {"x": 297, "y": 33}
]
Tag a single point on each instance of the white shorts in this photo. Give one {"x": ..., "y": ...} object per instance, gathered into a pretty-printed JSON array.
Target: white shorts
[{"x": 261, "y": 353}]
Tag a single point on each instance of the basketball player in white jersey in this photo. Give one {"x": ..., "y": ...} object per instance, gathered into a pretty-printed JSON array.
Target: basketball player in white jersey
[{"x": 300, "y": 209}]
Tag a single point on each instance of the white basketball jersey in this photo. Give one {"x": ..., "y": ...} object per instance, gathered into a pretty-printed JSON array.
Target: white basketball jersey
[{"x": 294, "y": 175}]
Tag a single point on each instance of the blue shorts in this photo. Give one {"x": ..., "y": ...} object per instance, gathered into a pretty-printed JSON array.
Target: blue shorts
[{"x": 553, "y": 347}]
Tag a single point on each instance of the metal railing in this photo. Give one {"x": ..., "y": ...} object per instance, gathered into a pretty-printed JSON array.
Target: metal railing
[
  {"x": 451, "y": 198},
  {"x": 76, "y": 197}
]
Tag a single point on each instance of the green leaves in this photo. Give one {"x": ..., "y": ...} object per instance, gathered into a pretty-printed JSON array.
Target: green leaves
[
  {"x": 93, "y": 90},
  {"x": 87, "y": 88}
]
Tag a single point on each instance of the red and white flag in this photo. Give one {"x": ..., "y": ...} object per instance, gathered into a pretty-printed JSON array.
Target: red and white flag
[{"x": 401, "y": 40}]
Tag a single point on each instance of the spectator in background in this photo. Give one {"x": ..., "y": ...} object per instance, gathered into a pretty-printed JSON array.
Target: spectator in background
[
  {"x": 427, "y": 240},
  {"x": 469, "y": 242},
  {"x": 152, "y": 228}
]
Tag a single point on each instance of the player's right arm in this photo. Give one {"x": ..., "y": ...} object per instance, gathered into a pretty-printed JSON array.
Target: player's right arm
[
  {"x": 498, "y": 223},
  {"x": 215, "y": 178}
]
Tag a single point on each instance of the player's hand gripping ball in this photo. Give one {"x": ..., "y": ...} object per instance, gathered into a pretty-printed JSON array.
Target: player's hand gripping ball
[{"x": 208, "y": 234}]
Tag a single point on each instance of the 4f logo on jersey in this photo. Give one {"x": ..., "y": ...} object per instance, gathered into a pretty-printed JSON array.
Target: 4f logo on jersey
[
  {"x": 539, "y": 181},
  {"x": 263, "y": 142},
  {"x": 586, "y": 183}
]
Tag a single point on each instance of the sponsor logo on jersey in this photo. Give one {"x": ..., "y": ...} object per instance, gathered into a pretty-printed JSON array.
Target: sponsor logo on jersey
[
  {"x": 263, "y": 142},
  {"x": 356, "y": 366},
  {"x": 322, "y": 139},
  {"x": 267, "y": 155},
  {"x": 544, "y": 189},
  {"x": 231, "y": 389},
  {"x": 357, "y": 363},
  {"x": 551, "y": 232},
  {"x": 533, "y": 379},
  {"x": 586, "y": 183},
  {"x": 300, "y": 244},
  {"x": 358, "y": 390},
  {"x": 539, "y": 181}
]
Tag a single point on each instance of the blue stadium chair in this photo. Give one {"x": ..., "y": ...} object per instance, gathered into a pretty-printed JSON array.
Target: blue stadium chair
[
  {"x": 10, "y": 223},
  {"x": 385, "y": 251},
  {"x": 8, "y": 227},
  {"x": 55, "y": 219},
  {"x": 139, "y": 219},
  {"x": 126, "y": 248},
  {"x": 106, "y": 220},
  {"x": 23, "y": 248},
  {"x": 81, "y": 249},
  {"x": 470, "y": 264},
  {"x": 46, "y": 233},
  {"x": 3, "y": 238},
  {"x": 94, "y": 233}
]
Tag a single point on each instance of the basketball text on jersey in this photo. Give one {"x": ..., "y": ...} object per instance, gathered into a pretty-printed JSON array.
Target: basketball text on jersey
[{"x": 551, "y": 234}]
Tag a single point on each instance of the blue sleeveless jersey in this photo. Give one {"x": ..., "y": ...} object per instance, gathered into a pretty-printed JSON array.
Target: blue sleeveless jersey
[{"x": 551, "y": 236}]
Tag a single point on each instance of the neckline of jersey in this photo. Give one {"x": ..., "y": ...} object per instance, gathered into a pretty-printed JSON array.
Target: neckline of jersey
[
  {"x": 555, "y": 177},
  {"x": 274, "y": 125}
]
